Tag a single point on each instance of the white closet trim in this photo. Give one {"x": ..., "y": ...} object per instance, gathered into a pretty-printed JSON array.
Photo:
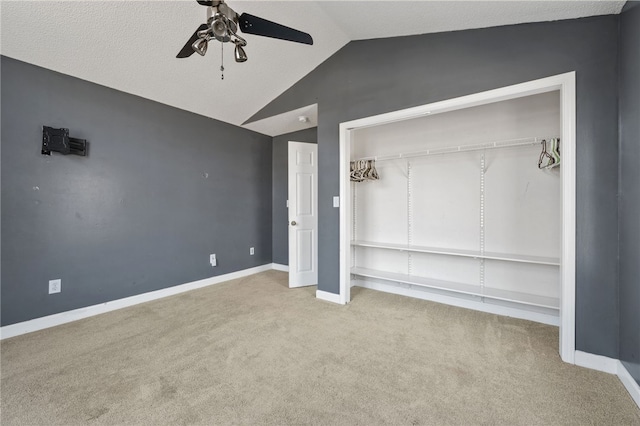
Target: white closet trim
[{"x": 565, "y": 83}]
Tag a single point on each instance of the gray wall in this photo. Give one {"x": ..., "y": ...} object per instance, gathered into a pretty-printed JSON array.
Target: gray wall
[
  {"x": 630, "y": 189},
  {"x": 280, "y": 190},
  {"x": 139, "y": 213},
  {"x": 376, "y": 76}
]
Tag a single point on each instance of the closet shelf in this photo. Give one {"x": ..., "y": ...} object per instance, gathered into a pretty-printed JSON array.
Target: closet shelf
[
  {"x": 464, "y": 253},
  {"x": 474, "y": 290},
  {"x": 510, "y": 143}
]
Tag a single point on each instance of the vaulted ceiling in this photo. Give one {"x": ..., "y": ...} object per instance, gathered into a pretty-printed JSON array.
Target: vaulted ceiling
[{"x": 131, "y": 45}]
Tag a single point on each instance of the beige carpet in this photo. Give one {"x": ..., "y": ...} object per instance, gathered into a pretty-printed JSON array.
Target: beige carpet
[{"x": 251, "y": 351}]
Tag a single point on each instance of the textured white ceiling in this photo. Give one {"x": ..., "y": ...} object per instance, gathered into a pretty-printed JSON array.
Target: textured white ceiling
[
  {"x": 131, "y": 45},
  {"x": 286, "y": 122},
  {"x": 361, "y": 20}
]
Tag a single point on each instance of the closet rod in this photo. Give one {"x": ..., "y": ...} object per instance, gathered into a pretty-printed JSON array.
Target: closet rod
[{"x": 461, "y": 148}]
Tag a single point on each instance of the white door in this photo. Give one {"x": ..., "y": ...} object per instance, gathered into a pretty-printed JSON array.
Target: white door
[{"x": 303, "y": 214}]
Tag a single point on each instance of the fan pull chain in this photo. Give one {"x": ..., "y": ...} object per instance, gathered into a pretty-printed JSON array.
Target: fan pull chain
[{"x": 222, "y": 61}]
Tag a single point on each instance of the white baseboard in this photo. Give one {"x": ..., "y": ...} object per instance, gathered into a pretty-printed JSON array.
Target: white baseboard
[
  {"x": 596, "y": 362},
  {"x": 280, "y": 267},
  {"x": 89, "y": 311},
  {"x": 424, "y": 294},
  {"x": 629, "y": 382},
  {"x": 329, "y": 297},
  {"x": 611, "y": 366}
]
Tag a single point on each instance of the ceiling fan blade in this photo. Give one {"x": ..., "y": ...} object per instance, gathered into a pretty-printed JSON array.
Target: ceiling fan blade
[
  {"x": 254, "y": 25},
  {"x": 205, "y": 2},
  {"x": 187, "y": 50}
]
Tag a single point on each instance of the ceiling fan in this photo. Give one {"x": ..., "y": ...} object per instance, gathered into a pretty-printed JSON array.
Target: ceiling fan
[{"x": 223, "y": 24}]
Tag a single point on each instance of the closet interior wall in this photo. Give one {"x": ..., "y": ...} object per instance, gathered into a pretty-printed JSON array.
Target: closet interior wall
[{"x": 486, "y": 222}]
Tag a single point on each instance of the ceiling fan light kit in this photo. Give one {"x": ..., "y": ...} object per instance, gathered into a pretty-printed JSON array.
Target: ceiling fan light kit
[
  {"x": 240, "y": 54},
  {"x": 223, "y": 24}
]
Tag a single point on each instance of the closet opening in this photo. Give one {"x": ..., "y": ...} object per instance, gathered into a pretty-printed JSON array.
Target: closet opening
[{"x": 468, "y": 202}]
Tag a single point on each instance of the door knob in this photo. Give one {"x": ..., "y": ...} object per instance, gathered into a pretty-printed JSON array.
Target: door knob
[{"x": 293, "y": 223}]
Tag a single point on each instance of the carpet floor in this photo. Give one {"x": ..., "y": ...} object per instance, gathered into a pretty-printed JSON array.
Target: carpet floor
[{"x": 252, "y": 351}]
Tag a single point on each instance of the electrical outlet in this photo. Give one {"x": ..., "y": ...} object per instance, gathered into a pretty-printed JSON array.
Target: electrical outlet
[
  {"x": 251, "y": 251},
  {"x": 55, "y": 286},
  {"x": 212, "y": 260}
]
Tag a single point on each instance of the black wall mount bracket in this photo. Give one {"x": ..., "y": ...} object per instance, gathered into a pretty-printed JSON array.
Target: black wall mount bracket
[{"x": 58, "y": 140}]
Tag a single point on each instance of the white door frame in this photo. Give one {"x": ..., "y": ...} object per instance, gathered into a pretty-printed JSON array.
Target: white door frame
[{"x": 566, "y": 84}]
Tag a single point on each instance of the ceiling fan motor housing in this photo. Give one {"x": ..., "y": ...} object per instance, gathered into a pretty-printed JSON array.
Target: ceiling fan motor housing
[
  {"x": 222, "y": 27},
  {"x": 223, "y": 22},
  {"x": 219, "y": 28}
]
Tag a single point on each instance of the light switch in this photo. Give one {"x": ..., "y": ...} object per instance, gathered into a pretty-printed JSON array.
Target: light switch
[{"x": 336, "y": 201}]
